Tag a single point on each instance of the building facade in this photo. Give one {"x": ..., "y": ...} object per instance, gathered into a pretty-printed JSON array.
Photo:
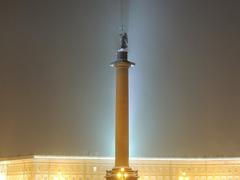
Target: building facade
[{"x": 94, "y": 168}]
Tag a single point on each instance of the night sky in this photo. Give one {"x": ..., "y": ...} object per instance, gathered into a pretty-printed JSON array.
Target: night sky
[{"x": 57, "y": 94}]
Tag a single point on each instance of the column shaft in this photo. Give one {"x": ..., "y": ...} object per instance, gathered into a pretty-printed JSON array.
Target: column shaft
[{"x": 122, "y": 125}]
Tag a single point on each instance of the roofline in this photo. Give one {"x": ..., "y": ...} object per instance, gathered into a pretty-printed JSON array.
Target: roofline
[
  {"x": 20, "y": 157},
  {"x": 59, "y": 157}
]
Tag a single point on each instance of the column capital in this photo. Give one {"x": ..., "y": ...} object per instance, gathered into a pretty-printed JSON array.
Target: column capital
[{"x": 122, "y": 63}]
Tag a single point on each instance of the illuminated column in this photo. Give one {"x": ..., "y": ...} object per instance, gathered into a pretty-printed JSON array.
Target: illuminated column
[
  {"x": 122, "y": 130},
  {"x": 122, "y": 169}
]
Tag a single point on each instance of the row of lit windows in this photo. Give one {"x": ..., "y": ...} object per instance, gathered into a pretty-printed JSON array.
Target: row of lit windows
[
  {"x": 89, "y": 177},
  {"x": 190, "y": 178},
  {"x": 99, "y": 177}
]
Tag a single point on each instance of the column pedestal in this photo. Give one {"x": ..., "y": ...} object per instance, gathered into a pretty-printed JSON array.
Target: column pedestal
[{"x": 122, "y": 174}]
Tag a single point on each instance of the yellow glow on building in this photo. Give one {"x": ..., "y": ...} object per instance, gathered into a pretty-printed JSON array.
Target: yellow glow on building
[{"x": 94, "y": 168}]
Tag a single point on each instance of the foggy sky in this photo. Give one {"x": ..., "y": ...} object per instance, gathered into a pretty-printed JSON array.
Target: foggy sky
[{"x": 57, "y": 90}]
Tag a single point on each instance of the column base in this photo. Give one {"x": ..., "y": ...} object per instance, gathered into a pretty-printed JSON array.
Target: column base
[{"x": 119, "y": 173}]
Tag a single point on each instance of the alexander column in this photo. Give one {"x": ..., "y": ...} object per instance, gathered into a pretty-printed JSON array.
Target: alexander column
[{"x": 122, "y": 170}]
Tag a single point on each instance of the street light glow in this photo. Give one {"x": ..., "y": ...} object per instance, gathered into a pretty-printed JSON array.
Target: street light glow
[
  {"x": 119, "y": 175},
  {"x": 122, "y": 174},
  {"x": 183, "y": 176},
  {"x": 2, "y": 177}
]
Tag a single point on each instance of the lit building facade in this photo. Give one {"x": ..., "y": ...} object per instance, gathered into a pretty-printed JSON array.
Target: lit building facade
[{"x": 94, "y": 168}]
